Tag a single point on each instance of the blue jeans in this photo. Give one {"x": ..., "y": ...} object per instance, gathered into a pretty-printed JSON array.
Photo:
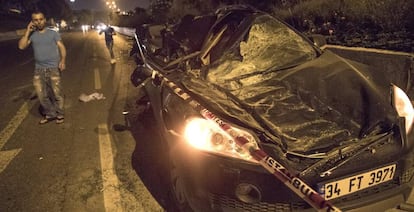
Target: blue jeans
[
  {"x": 47, "y": 84},
  {"x": 110, "y": 46}
]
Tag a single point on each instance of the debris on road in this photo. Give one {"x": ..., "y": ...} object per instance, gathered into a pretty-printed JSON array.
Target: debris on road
[{"x": 94, "y": 96}]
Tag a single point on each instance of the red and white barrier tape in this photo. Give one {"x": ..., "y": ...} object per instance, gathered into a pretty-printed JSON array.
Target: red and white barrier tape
[{"x": 278, "y": 170}]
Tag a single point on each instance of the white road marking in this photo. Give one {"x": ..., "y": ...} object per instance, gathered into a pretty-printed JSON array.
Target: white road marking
[
  {"x": 7, "y": 156},
  {"x": 111, "y": 193},
  {"x": 97, "y": 79},
  {"x": 112, "y": 197},
  {"x": 94, "y": 52},
  {"x": 14, "y": 123},
  {"x": 24, "y": 86}
]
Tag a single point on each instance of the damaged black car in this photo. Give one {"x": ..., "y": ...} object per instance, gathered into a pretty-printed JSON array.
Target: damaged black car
[{"x": 334, "y": 123}]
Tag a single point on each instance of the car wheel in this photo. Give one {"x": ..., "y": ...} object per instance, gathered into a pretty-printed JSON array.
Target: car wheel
[{"x": 178, "y": 196}]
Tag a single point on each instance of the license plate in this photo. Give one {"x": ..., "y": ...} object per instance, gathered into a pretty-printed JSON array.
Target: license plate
[{"x": 356, "y": 183}]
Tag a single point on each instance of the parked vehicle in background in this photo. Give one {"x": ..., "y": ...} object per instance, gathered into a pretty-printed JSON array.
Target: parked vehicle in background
[{"x": 336, "y": 124}]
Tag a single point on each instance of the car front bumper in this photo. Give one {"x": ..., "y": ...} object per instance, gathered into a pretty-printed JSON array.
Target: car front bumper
[{"x": 213, "y": 183}]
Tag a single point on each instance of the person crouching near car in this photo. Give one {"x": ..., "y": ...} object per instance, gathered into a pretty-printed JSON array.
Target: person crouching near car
[{"x": 50, "y": 56}]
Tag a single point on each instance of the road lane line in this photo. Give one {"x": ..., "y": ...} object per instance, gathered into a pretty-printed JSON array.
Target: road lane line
[
  {"x": 94, "y": 52},
  {"x": 112, "y": 197},
  {"x": 97, "y": 79},
  {"x": 14, "y": 123},
  {"x": 7, "y": 156},
  {"x": 24, "y": 86}
]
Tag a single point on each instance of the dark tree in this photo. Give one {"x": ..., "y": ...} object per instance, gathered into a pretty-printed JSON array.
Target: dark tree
[
  {"x": 57, "y": 9},
  {"x": 160, "y": 9}
]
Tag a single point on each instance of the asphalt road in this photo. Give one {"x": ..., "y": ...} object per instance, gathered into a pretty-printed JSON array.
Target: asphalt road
[{"x": 84, "y": 164}]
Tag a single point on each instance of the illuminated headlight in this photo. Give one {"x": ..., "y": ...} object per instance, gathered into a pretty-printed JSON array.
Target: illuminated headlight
[
  {"x": 206, "y": 135},
  {"x": 101, "y": 27},
  {"x": 403, "y": 106}
]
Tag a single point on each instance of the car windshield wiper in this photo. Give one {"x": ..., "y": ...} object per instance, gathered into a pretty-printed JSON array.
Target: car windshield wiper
[{"x": 342, "y": 155}]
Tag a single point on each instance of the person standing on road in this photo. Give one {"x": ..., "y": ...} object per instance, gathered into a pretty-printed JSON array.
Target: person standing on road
[
  {"x": 50, "y": 56},
  {"x": 109, "y": 40}
]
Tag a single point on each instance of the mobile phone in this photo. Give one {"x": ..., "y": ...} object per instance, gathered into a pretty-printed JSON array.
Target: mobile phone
[{"x": 34, "y": 27}]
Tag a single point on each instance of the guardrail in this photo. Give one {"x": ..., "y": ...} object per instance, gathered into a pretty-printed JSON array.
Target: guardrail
[{"x": 125, "y": 31}]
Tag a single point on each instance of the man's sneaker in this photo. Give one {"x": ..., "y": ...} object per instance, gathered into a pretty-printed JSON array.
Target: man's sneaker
[
  {"x": 113, "y": 61},
  {"x": 60, "y": 119},
  {"x": 46, "y": 119}
]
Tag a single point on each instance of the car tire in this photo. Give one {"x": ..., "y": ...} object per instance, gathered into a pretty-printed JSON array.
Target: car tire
[{"x": 178, "y": 196}]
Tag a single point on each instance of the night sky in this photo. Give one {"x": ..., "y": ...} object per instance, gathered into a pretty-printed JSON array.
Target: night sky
[{"x": 125, "y": 5}]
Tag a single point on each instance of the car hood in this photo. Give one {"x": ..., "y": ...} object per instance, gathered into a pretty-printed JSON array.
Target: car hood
[{"x": 311, "y": 107}]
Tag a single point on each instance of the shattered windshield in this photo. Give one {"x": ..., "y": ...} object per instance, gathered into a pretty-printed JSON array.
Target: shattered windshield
[{"x": 268, "y": 45}]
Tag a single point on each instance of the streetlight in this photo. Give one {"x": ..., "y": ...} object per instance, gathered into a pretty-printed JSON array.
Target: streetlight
[{"x": 112, "y": 8}]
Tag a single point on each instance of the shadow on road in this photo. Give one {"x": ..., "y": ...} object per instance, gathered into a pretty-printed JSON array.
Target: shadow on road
[{"x": 149, "y": 159}]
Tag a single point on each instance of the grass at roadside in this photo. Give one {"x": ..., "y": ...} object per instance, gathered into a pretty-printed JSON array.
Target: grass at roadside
[{"x": 371, "y": 23}]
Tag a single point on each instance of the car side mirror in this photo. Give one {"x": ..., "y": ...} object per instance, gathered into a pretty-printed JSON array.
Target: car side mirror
[{"x": 318, "y": 40}]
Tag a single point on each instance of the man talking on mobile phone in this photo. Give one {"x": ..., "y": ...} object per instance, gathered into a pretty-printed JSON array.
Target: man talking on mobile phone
[{"x": 50, "y": 56}]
